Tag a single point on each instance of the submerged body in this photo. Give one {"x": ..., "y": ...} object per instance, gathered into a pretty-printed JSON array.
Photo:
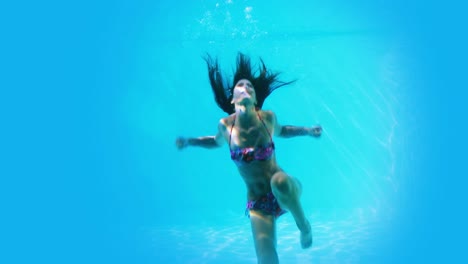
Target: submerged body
[{"x": 249, "y": 132}]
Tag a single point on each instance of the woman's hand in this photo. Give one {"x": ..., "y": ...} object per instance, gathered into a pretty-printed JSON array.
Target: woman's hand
[
  {"x": 316, "y": 131},
  {"x": 181, "y": 143}
]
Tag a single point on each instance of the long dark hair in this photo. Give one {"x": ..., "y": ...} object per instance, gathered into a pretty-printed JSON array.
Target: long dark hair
[{"x": 264, "y": 84}]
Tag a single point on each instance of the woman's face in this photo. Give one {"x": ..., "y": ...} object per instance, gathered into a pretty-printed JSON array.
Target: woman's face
[{"x": 244, "y": 91}]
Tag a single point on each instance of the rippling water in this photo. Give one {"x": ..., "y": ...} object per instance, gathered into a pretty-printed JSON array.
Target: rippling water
[{"x": 339, "y": 237}]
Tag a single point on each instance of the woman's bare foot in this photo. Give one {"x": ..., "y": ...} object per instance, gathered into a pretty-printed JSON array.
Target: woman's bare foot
[{"x": 306, "y": 236}]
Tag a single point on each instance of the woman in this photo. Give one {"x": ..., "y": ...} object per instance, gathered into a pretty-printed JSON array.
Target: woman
[{"x": 249, "y": 132}]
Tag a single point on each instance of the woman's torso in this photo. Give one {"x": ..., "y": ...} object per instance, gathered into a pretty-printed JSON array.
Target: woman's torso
[{"x": 252, "y": 149}]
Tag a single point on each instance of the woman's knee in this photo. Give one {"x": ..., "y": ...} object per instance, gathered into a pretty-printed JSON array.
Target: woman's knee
[
  {"x": 281, "y": 182},
  {"x": 265, "y": 242}
]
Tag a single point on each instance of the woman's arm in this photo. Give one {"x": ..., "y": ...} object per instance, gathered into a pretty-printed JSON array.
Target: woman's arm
[
  {"x": 293, "y": 131},
  {"x": 204, "y": 142}
]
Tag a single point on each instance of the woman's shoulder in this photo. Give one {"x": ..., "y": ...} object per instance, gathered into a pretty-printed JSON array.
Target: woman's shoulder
[
  {"x": 267, "y": 115},
  {"x": 227, "y": 121}
]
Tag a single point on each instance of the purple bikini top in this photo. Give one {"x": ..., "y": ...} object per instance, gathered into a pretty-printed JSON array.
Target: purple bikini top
[{"x": 249, "y": 154}]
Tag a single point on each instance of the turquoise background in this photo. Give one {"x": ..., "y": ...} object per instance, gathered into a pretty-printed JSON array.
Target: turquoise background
[{"x": 95, "y": 93}]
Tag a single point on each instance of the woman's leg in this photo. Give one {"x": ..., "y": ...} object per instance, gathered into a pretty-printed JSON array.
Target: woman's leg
[
  {"x": 287, "y": 191},
  {"x": 264, "y": 235}
]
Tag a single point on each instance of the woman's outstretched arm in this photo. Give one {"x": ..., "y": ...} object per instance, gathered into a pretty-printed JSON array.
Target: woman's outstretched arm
[
  {"x": 204, "y": 142},
  {"x": 294, "y": 131}
]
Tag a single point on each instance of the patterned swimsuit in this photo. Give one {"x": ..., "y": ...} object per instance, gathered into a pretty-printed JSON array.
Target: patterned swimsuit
[
  {"x": 267, "y": 203},
  {"x": 249, "y": 154}
]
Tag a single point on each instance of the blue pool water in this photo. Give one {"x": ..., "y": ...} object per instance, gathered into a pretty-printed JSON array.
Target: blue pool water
[
  {"x": 353, "y": 79},
  {"x": 97, "y": 93}
]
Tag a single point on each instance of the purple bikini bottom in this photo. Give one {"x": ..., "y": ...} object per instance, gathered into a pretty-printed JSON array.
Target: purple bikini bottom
[{"x": 267, "y": 204}]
